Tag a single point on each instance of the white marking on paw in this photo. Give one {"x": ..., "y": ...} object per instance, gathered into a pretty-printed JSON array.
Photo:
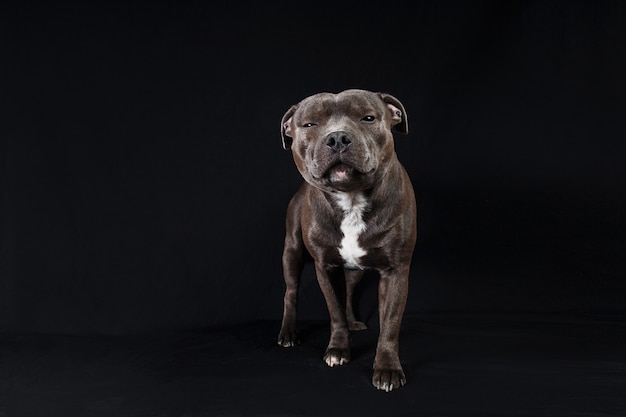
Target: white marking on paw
[
  {"x": 352, "y": 225},
  {"x": 333, "y": 360}
]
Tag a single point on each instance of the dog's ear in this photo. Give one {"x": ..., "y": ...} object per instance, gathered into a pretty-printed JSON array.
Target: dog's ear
[
  {"x": 399, "y": 122},
  {"x": 285, "y": 127}
]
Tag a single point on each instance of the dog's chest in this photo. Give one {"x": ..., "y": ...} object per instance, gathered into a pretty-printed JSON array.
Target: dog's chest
[{"x": 352, "y": 226}]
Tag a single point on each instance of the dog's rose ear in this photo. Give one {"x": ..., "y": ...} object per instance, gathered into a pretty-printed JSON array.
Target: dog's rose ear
[
  {"x": 399, "y": 122},
  {"x": 285, "y": 127}
]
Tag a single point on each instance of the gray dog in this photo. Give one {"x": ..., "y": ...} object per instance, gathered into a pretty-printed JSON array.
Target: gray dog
[{"x": 356, "y": 210}]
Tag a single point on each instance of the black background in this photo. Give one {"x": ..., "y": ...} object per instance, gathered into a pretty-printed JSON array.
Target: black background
[{"x": 144, "y": 187}]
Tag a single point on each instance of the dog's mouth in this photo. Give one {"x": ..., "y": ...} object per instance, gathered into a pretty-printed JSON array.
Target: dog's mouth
[{"x": 340, "y": 172}]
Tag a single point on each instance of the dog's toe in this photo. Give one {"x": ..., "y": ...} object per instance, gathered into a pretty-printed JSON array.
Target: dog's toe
[
  {"x": 287, "y": 343},
  {"x": 336, "y": 356},
  {"x": 388, "y": 379},
  {"x": 287, "y": 339}
]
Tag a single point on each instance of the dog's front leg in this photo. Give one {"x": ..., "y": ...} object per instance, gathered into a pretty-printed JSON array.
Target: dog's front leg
[
  {"x": 392, "y": 296},
  {"x": 293, "y": 263},
  {"x": 333, "y": 285}
]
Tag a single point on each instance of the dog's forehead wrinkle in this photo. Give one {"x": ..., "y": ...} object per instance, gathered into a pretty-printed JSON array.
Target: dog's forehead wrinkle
[
  {"x": 325, "y": 105},
  {"x": 361, "y": 100},
  {"x": 315, "y": 107}
]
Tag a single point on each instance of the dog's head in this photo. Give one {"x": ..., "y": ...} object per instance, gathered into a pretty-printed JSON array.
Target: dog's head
[{"x": 344, "y": 141}]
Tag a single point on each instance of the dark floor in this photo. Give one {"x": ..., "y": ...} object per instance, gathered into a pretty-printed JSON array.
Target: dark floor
[{"x": 456, "y": 365}]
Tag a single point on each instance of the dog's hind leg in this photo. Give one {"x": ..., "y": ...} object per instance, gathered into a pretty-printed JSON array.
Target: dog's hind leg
[{"x": 353, "y": 276}]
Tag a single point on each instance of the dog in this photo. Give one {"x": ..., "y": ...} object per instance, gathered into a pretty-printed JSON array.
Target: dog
[{"x": 355, "y": 210}]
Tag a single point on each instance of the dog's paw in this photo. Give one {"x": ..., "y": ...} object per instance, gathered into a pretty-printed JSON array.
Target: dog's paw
[
  {"x": 287, "y": 338},
  {"x": 357, "y": 325},
  {"x": 388, "y": 379},
  {"x": 336, "y": 356}
]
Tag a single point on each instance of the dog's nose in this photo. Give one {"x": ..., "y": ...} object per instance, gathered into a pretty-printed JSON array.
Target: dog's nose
[{"x": 338, "y": 141}]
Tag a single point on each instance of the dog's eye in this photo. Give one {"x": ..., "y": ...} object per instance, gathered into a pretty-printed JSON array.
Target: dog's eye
[
  {"x": 368, "y": 118},
  {"x": 309, "y": 124}
]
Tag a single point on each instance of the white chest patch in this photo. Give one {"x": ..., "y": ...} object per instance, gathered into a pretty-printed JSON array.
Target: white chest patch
[{"x": 352, "y": 225}]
